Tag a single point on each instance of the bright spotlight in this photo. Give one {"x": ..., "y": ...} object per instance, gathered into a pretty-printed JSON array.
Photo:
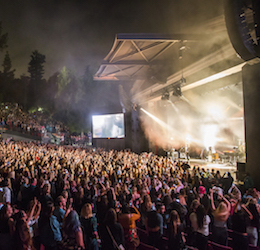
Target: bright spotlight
[
  {"x": 215, "y": 111},
  {"x": 177, "y": 90},
  {"x": 210, "y": 135},
  {"x": 188, "y": 138},
  {"x": 161, "y": 123},
  {"x": 165, "y": 96}
]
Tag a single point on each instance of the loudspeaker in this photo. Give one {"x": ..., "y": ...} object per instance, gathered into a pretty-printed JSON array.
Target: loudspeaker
[
  {"x": 241, "y": 167},
  {"x": 238, "y": 28},
  {"x": 241, "y": 171}
]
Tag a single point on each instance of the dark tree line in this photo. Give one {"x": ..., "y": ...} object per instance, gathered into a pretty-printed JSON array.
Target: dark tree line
[{"x": 64, "y": 96}]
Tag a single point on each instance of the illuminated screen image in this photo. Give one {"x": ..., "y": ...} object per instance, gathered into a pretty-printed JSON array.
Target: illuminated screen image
[{"x": 108, "y": 126}]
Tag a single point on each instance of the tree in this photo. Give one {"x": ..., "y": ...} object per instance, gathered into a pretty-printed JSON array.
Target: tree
[
  {"x": 3, "y": 45},
  {"x": 7, "y": 65},
  {"x": 20, "y": 90},
  {"x": 3, "y": 39},
  {"x": 36, "y": 70},
  {"x": 7, "y": 78},
  {"x": 50, "y": 93},
  {"x": 64, "y": 79},
  {"x": 69, "y": 100}
]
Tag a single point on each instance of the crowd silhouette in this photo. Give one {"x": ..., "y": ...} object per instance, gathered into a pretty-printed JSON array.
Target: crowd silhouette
[{"x": 62, "y": 197}]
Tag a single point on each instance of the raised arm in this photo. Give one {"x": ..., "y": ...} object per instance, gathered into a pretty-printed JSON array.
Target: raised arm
[
  {"x": 32, "y": 211},
  {"x": 79, "y": 238},
  {"x": 137, "y": 214},
  {"x": 113, "y": 193},
  {"x": 247, "y": 211},
  {"x": 227, "y": 202},
  {"x": 38, "y": 210},
  {"x": 212, "y": 200}
]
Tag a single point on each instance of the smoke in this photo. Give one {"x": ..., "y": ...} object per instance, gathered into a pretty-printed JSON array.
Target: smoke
[
  {"x": 214, "y": 119},
  {"x": 79, "y": 33}
]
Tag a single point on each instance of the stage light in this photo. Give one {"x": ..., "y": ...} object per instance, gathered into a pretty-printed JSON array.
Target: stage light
[
  {"x": 135, "y": 107},
  {"x": 210, "y": 135},
  {"x": 177, "y": 90},
  {"x": 157, "y": 120},
  {"x": 215, "y": 111},
  {"x": 165, "y": 96}
]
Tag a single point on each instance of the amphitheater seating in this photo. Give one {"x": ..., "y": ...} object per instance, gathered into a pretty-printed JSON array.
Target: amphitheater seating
[
  {"x": 211, "y": 245},
  {"x": 253, "y": 247},
  {"x": 215, "y": 246},
  {"x": 142, "y": 235},
  {"x": 191, "y": 248}
]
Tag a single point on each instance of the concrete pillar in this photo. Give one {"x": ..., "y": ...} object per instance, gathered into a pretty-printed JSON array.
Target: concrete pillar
[{"x": 251, "y": 92}]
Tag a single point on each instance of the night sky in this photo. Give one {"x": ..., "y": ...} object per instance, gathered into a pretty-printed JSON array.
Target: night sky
[{"x": 80, "y": 33}]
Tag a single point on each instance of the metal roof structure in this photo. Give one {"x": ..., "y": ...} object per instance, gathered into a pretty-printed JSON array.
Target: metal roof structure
[
  {"x": 133, "y": 55},
  {"x": 190, "y": 88},
  {"x": 156, "y": 63}
]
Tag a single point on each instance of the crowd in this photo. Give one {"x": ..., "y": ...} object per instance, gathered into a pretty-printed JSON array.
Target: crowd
[
  {"x": 61, "y": 197},
  {"x": 35, "y": 123},
  {"x": 39, "y": 125}
]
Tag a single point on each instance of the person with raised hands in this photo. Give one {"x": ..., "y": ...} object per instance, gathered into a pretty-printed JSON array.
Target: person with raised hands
[{"x": 220, "y": 214}]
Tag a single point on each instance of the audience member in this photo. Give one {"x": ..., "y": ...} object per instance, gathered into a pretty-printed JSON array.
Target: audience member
[
  {"x": 127, "y": 219},
  {"x": 111, "y": 232},
  {"x": 72, "y": 232},
  {"x": 100, "y": 183},
  {"x": 221, "y": 215},
  {"x": 89, "y": 226},
  {"x": 176, "y": 239}
]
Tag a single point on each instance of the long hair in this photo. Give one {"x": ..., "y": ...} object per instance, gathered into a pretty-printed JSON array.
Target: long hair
[
  {"x": 201, "y": 213},
  {"x": 111, "y": 217},
  {"x": 23, "y": 238},
  {"x": 174, "y": 221},
  {"x": 221, "y": 213},
  {"x": 3, "y": 212},
  {"x": 194, "y": 205},
  {"x": 147, "y": 202},
  {"x": 251, "y": 205},
  {"x": 167, "y": 201},
  {"x": 86, "y": 211},
  {"x": 48, "y": 210},
  {"x": 125, "y": 209},
  {"x": 71, "y": 223}
]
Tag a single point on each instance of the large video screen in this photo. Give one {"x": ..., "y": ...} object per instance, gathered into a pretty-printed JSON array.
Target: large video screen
[{"x": 108, "y": 126}]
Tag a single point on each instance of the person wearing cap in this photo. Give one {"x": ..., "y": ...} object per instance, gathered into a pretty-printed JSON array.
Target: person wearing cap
[{"x": 202, "y": 191}]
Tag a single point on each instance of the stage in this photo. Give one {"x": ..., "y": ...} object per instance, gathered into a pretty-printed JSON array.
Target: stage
[{"x": 222, "y": 167}]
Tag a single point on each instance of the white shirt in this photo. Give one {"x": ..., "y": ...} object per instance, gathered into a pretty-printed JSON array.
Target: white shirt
[
  {"x": 205, "y": 228},
  {"x": 5, "y": 195}
]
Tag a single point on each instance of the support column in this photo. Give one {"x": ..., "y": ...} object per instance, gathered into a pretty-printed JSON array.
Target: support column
[{"x": 251, "y": 92}]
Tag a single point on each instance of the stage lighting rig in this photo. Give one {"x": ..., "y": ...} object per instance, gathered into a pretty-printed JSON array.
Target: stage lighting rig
[
  {"x": 177, "y": 90},
  {"x": 177, "y": 87},
  {"x": 165, "y": 96},
  {"x": 135, "y": 107}
]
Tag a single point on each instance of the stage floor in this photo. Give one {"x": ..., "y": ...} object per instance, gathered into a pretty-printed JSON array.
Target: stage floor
[{"x": 222, "y": 167}]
